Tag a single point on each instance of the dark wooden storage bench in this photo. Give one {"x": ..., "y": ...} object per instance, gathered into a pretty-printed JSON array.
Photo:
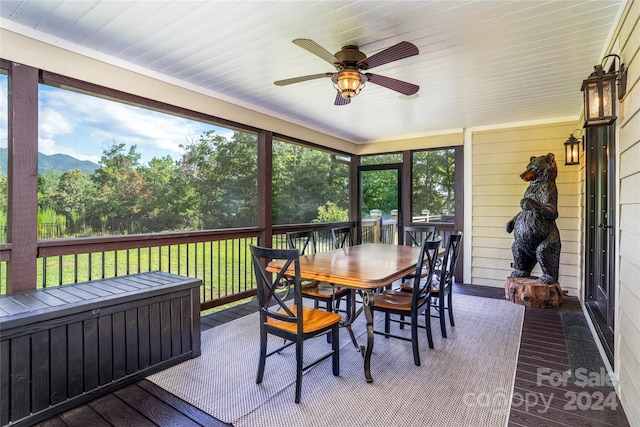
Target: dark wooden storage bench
[{"x": 63, "y": 346}]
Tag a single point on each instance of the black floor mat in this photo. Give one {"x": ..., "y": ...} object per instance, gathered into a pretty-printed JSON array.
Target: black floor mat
[{"x": 587, "y": 367}]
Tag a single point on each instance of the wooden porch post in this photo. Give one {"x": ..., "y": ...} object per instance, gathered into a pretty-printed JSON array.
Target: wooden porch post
[
  {"x": 354, "y": 215},
  {"x": 265, "y": 187},
  {"x": 459, "y": 204},
  {"x": 407, "y": 194},
  {"x": 22, "y": 215}
]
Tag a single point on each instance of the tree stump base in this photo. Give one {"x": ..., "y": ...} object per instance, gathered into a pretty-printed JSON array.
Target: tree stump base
[{"x": 531, "y": 293}]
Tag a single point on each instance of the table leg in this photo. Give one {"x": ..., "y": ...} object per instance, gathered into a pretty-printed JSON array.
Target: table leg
[
  {"x": 367, "y": 302},
  {"x": 351, "y": 317}
]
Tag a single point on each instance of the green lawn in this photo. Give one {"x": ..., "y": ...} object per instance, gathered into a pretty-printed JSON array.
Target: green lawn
[{"x": 224, "y": 266}]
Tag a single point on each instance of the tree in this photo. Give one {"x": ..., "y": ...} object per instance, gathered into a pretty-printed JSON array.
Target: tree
[
  {"x": 223, "y": 173},
  {"x": 330, "y": 212},
  {"x": 303, "y": 180},
  {"x": 433, "y": 181},
  {"x": 73, "y": 191},
  {"x": 173, "y": 202},
  {"x": 121, "y": 190},
  {"x": 380, "y": 190},
  {"x": 4, "y": 193},
  {"x": 237, "y": 162},
  {"x": 47, "y": 187}
]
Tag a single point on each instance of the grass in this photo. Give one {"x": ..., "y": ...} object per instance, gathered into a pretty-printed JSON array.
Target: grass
[{"x": 223, "y": 266}]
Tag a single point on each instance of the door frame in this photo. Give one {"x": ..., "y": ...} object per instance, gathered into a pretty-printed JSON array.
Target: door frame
[
  {"x": 604, "y": 323},
  {"x": 387, "y": 166}
]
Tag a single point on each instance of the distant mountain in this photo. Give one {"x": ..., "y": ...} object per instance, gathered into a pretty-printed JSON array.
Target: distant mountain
[{"x": 57, "y": 162}]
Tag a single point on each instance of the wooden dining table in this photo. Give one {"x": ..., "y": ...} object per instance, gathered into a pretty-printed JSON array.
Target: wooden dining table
[{"x": 364, "y": 268}]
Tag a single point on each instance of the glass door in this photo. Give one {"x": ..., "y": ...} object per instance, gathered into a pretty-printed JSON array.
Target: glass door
[
  {"x": 380, "y": 215},
  {"x": 600, "y": 232}
]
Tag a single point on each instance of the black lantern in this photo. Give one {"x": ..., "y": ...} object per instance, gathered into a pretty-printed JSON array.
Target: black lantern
[
  {"x": 572, "y": 151},
  {"x": 600, "y": 95}
]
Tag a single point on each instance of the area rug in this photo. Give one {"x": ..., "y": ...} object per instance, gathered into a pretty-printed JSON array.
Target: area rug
[{"x": 467, "y": 379}]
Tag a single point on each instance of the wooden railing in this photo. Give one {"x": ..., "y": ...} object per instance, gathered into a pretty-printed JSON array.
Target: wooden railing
[
  {"x": 386, "y": 231},
  {"x": 220, "y": 258}
]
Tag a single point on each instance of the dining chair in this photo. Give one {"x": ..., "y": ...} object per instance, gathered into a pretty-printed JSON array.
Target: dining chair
[
  {"x": 441, "y": 292},
  {"x": 419, "y": 233},
  {"x": 327, "y": 293},
  {"x": 411, "y": 304},
  {"x": 414, "y": 236},
  {"x": 441, "y": 296},
  {"x": 294, "y": 323},
  {"x": 341, "y": 237}
]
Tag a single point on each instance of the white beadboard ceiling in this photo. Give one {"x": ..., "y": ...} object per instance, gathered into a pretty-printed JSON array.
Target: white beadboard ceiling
[{"x": 481, "y": 63}]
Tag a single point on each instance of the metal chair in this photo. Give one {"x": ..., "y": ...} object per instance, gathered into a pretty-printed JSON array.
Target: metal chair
[
  {"x": 328, "y": 293},
  {"x": 341, "y": 237},
  {"x": 397, "y": 302},
  {"x": 419, "y": 233},
  {"x": 441, "y": 301},
  {"x": 443, "y": 282},
  {"x": 415, "y": 236},
  {"x": 295, "y": 323}
]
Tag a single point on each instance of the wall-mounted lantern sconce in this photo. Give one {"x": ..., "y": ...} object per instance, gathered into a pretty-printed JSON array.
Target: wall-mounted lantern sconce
[
  {"x": 600, "y": 94},
  {"x": 572, "y": 150}
]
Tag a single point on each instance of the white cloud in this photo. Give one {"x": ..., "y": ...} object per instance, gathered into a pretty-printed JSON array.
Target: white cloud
[
  {"x": 81, "y": 125},
  {"x": 47, "y": 146},
  {"x": 52, "y": 123}
]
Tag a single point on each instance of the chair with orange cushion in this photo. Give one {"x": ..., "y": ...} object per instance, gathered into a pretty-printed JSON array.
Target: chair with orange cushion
[
  {"x": 295, "y": 323},
  {"x": 411, "y": 304},
  {"x": 441, "y": 295},
  {"x": 328, "y": 293},
  {"x": 414, "y": 236},
  {"x": 441, "y": 292},
  {"x": 341, "y": 237}
]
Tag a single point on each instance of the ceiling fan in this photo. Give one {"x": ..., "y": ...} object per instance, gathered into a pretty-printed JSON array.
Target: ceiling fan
[{"x": 350, "y": 64}]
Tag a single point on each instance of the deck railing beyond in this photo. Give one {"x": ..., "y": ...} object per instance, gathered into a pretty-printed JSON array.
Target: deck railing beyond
[{"x": 220, "y": 258}]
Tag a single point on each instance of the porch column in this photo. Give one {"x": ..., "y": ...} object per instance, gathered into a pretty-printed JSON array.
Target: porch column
[
  {"x": 22, "y": 215},
  {"x": 354, "y": 214},
  {"x": 265, "y": 187}
]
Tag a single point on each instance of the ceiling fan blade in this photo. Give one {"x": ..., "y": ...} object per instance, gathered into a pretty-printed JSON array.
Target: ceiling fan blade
[
  {"x": 393, "y": 84},
  {"x": 301, "y": 79},
  {"x": 399, "y": 51},
  {"x": 317, "y": 50},
  {"x": 340, "y": 100}
]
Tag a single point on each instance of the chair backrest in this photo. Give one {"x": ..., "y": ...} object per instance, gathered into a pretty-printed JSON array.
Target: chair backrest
[
  {"x": 424, "y": 270},
  {"x": 304, "y": 241},
  {"x": 450, "y": 258},
  {"x": 341, "y": 237},
  {"x": 417, "y": 234},
  {"x": 270, "y": 286}
]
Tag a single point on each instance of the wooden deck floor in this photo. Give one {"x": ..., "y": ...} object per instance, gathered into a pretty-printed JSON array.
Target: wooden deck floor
[{"x": 543, "y": 349}]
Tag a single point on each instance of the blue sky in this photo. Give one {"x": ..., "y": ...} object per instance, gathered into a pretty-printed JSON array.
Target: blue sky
[{"x": 82, "y": 126}]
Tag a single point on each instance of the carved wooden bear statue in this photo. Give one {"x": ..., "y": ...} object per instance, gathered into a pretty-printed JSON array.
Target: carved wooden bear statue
[{"x": 536, "y": 236}]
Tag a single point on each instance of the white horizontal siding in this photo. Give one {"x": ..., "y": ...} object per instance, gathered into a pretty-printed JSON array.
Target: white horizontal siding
[
  {"x": 627, "y": 363},
  {"x": 499, "y": 157}
]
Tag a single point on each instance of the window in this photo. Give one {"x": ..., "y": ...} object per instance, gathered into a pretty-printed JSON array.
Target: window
[
  {"x": 109, "y": 168},
  {"x": 309, "y": 185},
  {"x": 433, "y": 185}
]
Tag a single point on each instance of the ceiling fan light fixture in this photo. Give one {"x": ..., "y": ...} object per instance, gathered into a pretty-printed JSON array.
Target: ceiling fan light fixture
[
  {"x": 350, "y": 63},
  {"x": 348, "y": 82}
]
